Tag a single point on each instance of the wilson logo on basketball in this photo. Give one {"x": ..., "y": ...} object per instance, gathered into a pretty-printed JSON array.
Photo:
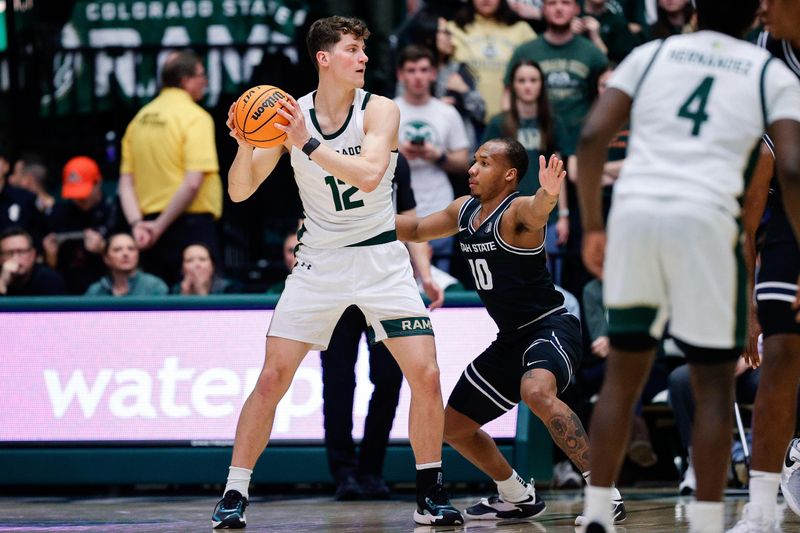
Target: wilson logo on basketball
[{"x": 269, "y": 102}]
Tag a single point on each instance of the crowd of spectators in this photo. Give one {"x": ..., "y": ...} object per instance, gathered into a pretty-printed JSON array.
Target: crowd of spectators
[{"x": 528, "y": 69}]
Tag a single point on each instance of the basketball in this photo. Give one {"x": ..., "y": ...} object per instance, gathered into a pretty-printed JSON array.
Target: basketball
[{"x": 256, "y": 115}]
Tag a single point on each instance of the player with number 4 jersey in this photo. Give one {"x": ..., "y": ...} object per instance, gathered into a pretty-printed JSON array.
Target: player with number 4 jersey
[
  {"x": 698, "y": 105},
  {"x": 501, "y": 234}
]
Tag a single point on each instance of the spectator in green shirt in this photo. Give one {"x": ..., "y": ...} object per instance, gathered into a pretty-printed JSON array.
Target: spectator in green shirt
[
  {"x": 571, "y": 66},
  {"x": 124, "y": 278}
]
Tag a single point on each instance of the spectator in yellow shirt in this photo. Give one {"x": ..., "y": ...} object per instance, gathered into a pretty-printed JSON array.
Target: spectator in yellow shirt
[
  {"x": 170, "y": 187},
  {"x": 485, "y": 34}
]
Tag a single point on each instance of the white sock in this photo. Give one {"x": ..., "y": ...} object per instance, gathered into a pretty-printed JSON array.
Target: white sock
[
  {"x": 615, "y": 495},
  {"x": 596, "y": 506},
  {"x": 706, "y": 517},
  {"x": 239, "y": 479},
  {"x": 424, "y": 466},
  {"x": 764, "y": 492},
  {"x": 512, "y": 489}
]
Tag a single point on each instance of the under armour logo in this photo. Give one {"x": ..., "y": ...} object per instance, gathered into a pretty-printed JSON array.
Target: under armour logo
[
  {"x": 488, "y": 227},
  {"x": 305, "y": 265}
]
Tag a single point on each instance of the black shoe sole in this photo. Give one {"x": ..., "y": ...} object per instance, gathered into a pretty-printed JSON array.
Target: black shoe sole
[{"x": 230, "y": 523}]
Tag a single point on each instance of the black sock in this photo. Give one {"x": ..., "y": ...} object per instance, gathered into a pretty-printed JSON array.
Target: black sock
[{"x": 426, "y": 479}]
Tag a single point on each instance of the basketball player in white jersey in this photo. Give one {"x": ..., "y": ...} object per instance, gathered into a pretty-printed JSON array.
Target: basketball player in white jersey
[
  {"x": 343, "y": 147},
  {"x": 698, "y": 105}
]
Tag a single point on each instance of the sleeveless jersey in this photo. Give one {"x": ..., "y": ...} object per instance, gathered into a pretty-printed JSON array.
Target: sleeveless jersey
[
  {"x": 701, "y": 103},
  {"x": 777, "y": 227},
  {"x": 513, "y": 283},
  {"x": 337, "y": 214}
]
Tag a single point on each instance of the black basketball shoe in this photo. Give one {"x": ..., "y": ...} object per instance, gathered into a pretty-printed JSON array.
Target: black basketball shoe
[
  {"x": 435, "y": 509},
  {"x": 229, "y": 512}
]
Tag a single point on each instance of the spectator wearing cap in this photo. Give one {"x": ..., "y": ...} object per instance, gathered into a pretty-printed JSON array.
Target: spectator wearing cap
[
  {"x": 17, "y": 206},
  {"x": 79, "y": 224},
  {"x": 169, "y": 185},
  {"x": 20, "y": 274},
  {"x": 124, "y": 278}
]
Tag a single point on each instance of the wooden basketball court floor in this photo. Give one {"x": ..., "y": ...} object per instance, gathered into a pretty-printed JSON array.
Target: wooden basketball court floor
[{"x": 648, "y": 511}]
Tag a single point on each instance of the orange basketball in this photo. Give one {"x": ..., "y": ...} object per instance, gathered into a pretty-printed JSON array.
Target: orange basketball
[{"x": 256, "y": 115}]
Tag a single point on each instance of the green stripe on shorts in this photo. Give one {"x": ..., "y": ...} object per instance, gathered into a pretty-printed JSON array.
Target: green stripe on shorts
[
  {"x": 631, "y": 320},
  {"x": 407, "y": 327}
]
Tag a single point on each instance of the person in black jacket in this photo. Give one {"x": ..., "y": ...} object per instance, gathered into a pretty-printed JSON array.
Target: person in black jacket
[{"x": 20, "y": 274}]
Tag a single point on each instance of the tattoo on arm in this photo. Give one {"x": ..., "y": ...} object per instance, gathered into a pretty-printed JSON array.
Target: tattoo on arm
[{"x": 569, "y": 435}]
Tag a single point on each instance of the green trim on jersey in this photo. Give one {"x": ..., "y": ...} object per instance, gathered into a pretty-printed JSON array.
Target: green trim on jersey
[
  {"x": 403, "y": 327},
  {"x": 336, "y": 133},
  {"x": 381, "y": 238},
  {"x": 366, "y": 99},
  {"x": 740, "y": 329},
  {"x": 647, "y": 69},
  {"x": 300, "y": 232},
  {"x": 763, "y": 95},
  {"x": 631, "y": 320}
]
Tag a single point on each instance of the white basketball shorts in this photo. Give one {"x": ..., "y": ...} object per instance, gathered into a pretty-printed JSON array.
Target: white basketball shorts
[
  {"x": 677, "y": 261},
  {"x": 378, "y": 279}
]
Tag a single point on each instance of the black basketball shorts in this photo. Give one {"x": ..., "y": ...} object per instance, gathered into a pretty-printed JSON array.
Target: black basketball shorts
[
  {"x": 776, "y": 288},
  {"x": 490, "y": 385}
]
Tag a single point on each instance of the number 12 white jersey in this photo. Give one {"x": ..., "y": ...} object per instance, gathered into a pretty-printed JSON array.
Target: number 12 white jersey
[
  {"x": 338, "y": 214},
  {"x": 701, "y": 103}
]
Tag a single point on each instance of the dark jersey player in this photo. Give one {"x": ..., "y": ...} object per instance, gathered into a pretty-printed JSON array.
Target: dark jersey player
[
  {"x": 776, "y": 290},
  {"x": 501, "y": 234}
]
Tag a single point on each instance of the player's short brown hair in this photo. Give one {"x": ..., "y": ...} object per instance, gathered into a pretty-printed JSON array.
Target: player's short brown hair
[{"x": 325, "y": 33}]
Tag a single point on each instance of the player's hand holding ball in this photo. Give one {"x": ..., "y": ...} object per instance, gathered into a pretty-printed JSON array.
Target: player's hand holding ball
[
  {"x": 294, "y": 124},
  {"x": 255, "y": 119}
]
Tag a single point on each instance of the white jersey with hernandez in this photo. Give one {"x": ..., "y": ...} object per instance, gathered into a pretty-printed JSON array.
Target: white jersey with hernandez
[
  {"x": 701, "y": 102},
  {"x": 337, "y": 214}
]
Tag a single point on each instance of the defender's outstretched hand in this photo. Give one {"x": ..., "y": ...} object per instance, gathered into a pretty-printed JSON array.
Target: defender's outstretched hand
[
  {"x": 551, "y": 174},
  {"x": 296, "y": 131}
]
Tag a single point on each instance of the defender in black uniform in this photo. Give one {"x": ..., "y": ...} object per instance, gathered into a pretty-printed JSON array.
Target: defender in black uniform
[
  {"x": 776, "y": 291},
  {"x": 537, "y": 349}
]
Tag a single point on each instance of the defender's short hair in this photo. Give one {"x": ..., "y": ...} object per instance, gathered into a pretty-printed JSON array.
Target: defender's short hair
[
  {"x": 515, "y": 154},
  {"x": 325, "y": 33}
]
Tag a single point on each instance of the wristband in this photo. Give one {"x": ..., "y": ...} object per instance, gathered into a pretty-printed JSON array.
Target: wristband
[
  {"x": 441, "y": 159},
  {"x": 133, "y": 224},
  {"x": 311, "y": 145},
  {"x": 563, "y": 212}
]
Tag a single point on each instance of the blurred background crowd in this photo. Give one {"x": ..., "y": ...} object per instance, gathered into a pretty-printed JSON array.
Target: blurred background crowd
[{"x": 106, "y": 189}]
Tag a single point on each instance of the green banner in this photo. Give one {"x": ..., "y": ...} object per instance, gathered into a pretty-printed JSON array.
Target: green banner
[
  {"x": 129, "y": 40},
  {"x": 3, "y": 38}
]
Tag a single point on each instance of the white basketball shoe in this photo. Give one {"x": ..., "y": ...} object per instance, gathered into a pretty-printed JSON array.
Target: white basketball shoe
[{"x": 790, "y": 476}]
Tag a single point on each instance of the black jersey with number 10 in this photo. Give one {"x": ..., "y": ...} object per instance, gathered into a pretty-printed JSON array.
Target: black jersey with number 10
[{"x": 512, "y": 282}]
